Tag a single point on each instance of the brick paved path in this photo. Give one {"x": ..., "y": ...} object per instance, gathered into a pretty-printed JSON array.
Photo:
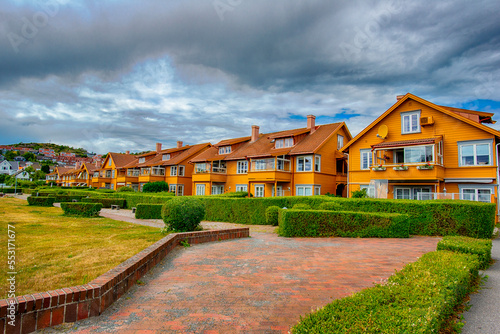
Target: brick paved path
[{"x": 262, "y": 284}]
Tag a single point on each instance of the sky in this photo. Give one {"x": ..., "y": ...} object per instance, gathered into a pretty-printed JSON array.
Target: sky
[{"x": 110, "y": 75}]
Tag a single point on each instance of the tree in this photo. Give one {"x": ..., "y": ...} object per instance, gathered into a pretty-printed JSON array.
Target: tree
[
  {"x": 10, "y": 155},
  {"x": 29, "y": 156},
  {"x": 38, "y": 175},
  {"x": 45, "y": 169}
]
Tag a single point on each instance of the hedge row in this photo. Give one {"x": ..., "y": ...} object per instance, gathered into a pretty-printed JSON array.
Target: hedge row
[
  {"x": 322, "y": 223},
  {"x": 134, "y": 199},
  {"x": 82, "y": 209},
  {"x": 41, "y": 201},
  {"x": 148, "y": 211},
  {"x": 11, "y": 190},
  {"x": 418, "y": 299},
  {"x": 106, "y": 202},
  {"x": 67, "y": 198},
  {"x": 466, "y": 245},
  {"x": 434, "y": 217}
]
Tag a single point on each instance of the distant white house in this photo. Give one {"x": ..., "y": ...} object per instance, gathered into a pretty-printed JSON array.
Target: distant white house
[{"x": 9, "y": 167}]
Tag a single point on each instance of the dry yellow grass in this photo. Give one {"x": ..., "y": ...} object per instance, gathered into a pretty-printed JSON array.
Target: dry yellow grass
[{"x": 54, "y": 251}]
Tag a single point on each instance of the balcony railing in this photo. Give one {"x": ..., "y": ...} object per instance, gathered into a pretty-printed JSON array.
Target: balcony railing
[
  {"x": 266, "y": 165},
  {"x": 133, "y": 173},
  {"x": 487, "y": 198}
]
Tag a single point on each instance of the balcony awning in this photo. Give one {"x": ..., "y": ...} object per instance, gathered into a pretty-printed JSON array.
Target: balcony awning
[{"x": 412, "y": 142}]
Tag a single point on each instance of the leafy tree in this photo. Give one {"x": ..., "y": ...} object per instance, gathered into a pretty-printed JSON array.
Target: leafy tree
[
  {"x": 45, "y": 169},
  {"x": 10, "y": 155},
  {"x": 29, "y": 156},
  {"x": 38, "y": 175}
]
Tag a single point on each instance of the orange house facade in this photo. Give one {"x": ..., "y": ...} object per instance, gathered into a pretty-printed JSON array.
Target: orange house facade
[
  {"x": 420, "y": 150},
  {"x": 299, "y": 162}
]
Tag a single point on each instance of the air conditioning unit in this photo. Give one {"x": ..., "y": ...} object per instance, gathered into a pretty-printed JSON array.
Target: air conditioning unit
[{"x": 426, "y": 120}]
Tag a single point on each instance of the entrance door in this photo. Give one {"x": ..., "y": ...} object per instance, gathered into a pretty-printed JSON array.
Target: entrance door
[{"x": 259, "y": 190}]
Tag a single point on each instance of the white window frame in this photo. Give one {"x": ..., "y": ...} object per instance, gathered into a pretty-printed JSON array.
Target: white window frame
[
  {"x": 474, "y": 144},
  {"x": 402, "y": 189},
  {"x": 200, "y": 189},
  {"x": 181, "y": 170},
  {"x": 304, "y": 169},
  {"x": 165, "y": 157},
  {"x": 180, "y": 190},
  {"x": 317, "y": 163},
  {"x": 367, "y": 152},
  {"x": 409, "y": 116},
  {"x": 172, "y": 188},
  {"x": 279, "y": 143},
  {"x": 304, "y": 190},
  {"x": 217, "y": 189},
  {"x": 173, "y": 171},
  {"x": 288, "y": 142},
  {"x": 259, "y": 190},
  {"x": 279, "y": 191},
  {"x": 340, "y": 142},
  {"x": 476, "y": 188},
  {"x": 142, "y": 160},
  {"x": 242, "y": 167},
  {"x": 224, "y": 149},
  {"x": 241, "y": 187}
]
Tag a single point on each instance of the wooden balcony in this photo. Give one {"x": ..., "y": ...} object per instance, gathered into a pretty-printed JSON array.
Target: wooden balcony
[
  {"x": 209, "y": 177},
  {"x": 269, "y": 176},
  {"x": 415, "y": 172}
]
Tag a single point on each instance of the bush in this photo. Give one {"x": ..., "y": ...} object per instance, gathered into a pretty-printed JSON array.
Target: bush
[
  {"x": 183, "y": 214},
  {"x": 301, "y": 206},
  {"x": 125, "y": 189},
  {"x": 466, "y": 245},
  {"x": 155, "y": 187},
  {"x": 11, "y": 190},
  {"x": 333, "y": 206},
  {"x": 41, "y": 201},
  {"x": 272, "y": 215},
  {"x": 148, "y": 211},
  {"x": 236, "y": 194},
  {"x": 309, "y": 223},
  {"x": 359, "y": 193},
  {"x": 418, "y": 299},
  {"x": 67, "y": 198},
  {"x": 82, "y": 209},
  {"x": 106, "y": 202}
]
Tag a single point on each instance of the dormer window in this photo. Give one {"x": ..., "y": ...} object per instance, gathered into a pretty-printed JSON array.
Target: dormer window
[
  {"x": 225, "y": 150},
  {"x": 166, "y": 157},
  {"x": 286, "y": 142},
  {"x": 142, "y": 160}
]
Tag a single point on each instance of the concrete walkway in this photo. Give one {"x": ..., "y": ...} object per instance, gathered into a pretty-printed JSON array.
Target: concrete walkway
[
  {"x": 481, "y": 318},
  {"x": 262, "y": 284}
]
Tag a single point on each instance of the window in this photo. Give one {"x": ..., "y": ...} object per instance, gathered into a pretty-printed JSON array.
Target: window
[
  {"x": 412, "y": 193},
  {"x": 142, "y": 160},
  {"x": 278, "y": 143},
  {"x": 317, "y": 163},
  {"x": 217, "y": 189},
  {"x": 402, "y": 193},
  {"x": 165, "y": 157},
  {"x": 219, "y": 167},
  {"x": 259, "y": 190},
  {"x": 304, "y": 190},
  {"x": 202, "y": 168},
  {"x": 173, "y": 171},
  {"x": 304, "y": 164},
  {"x": 172, "y": 188},
  {"x": 283, "y": 164},
  {"x": 109, "y": 162},
  {"x": 241, "y": 187},
  {"x": 158, "y": 171},
  {"x": 366, "y": 158},
  {"x": 474, "y": 154},
  {"x": 418, "y": 154},
  {"x": 200, "y": 189},
  {"x": 469, "y": 193},
  {"x": 177, "y": 189},
  {"x": 181, "y": 170},
  {"x": 317, "y": 190},
  {"x": 410, "y": 122},
  {"x": 108, "y": 173},
  {"x": 340, "y": 142},
  {"x": 263, "y": 164},
  {"x": 289, "y": 142},
  {"x": 225, "y": 150},
  {"x": 242, "y": 167},
  {"x": 279, "y": 191}
]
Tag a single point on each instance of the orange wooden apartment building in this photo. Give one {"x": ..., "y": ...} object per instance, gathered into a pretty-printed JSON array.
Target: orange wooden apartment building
[{"x": 420, "y": 150}]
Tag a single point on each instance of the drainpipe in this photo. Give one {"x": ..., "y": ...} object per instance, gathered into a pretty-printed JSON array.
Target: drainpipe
[{"x": 498, "y": 181}]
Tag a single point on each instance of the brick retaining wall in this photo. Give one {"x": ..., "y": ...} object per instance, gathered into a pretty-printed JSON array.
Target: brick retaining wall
[{"x": 51, "y": 308}]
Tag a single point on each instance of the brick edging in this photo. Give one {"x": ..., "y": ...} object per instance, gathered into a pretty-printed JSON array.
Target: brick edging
[{"x": 51, "y": 308}]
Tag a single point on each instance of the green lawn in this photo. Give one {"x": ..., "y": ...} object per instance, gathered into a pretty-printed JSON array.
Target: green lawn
[{"x": 54, "y": 251}]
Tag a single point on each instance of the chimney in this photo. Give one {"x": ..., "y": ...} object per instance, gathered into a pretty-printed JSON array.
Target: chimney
[
  {"x": 311, "y": 123},
  {"x": 158, "y": 147},
  {"x": 179, "y": 144},
  {"x": 127, "y": 152},
  {"x": 77, "y": 165},
  {"x": 97, "y": 164},
  {"x": 399, "y": 97},
  {"x": 255, "y": 132}
]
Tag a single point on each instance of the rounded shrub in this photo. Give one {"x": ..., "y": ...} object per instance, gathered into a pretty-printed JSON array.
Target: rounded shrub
[
  {"x": 125, "y": 189},
  {"x": 272, "y": 215},
  {"x": 301, "y": 206},
  {"x": 155, "y": 187},
  {"x": 183, "y": 214}
]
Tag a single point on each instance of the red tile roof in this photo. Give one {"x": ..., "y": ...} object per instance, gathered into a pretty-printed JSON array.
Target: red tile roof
[{"x": 121, "y": 159}]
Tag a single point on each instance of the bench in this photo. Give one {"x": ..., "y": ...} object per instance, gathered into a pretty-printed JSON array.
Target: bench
[
  {"x": 133, "y": 210},
  {"x": 115, "y": 207}
]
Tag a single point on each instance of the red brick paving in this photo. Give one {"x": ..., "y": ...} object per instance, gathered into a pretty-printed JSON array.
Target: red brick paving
[{"x": 262, "y": 284}]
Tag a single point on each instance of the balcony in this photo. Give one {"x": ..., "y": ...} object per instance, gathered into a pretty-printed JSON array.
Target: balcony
[{"x": 420, "y": 171}]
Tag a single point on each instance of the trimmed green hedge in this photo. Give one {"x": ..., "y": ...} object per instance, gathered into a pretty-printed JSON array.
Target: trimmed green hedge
[
  {"x": 132, "y": 200},
  {"x": 106, "y": 202},
  {"x": 466, "y": 245},
  {"x": 183, "y": 214},
  {"x": 433, "y": 217},
  {"x": 418, "y": 299},
  {"x": 41, "y": 201},
  {"x": 272, "y": 215},
  {"x": 323, "y": 223},
  {"x": 148, "y": 211},
  {"x": 67, "y": 198},
  {"x": 82, "y": 209},
  {"x": 11, "y": 190}
]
